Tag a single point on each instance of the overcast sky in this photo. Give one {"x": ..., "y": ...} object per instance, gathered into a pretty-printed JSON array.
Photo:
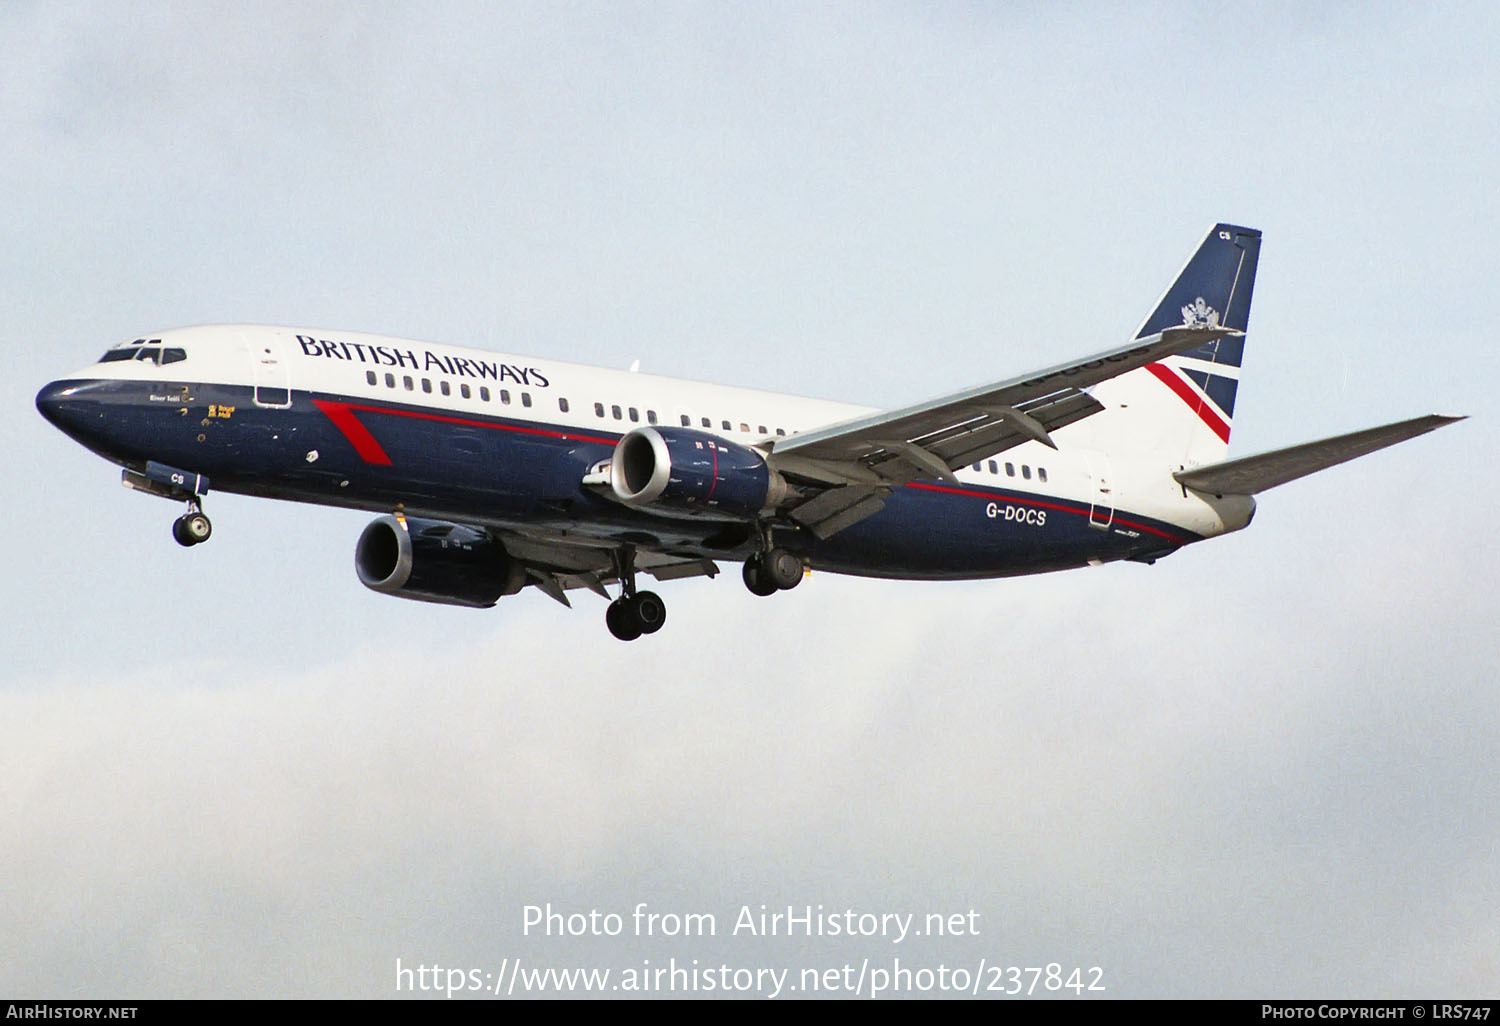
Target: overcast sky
[{"x": 1265, "y": 766}]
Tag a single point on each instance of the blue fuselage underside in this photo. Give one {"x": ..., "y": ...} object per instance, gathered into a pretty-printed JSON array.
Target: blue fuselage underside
[{"x": 514, "y": 474}]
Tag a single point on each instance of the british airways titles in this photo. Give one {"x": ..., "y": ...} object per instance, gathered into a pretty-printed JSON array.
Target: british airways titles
[{"x": 392, "y": 356}]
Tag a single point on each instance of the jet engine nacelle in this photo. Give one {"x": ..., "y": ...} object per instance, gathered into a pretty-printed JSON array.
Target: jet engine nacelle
[
  {"x": 686, "y": 473},
  {"x": 435, "y": 561}
]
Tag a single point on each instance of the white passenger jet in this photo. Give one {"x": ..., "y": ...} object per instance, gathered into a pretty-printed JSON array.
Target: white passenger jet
[{"x": 493, "y": 472}]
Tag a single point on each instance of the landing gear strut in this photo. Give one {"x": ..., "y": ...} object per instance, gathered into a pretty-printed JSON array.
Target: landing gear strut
[
  {"x": 193, "y": 527},
  {"x": 635, "y": 612},
  {"x": 772, "y": 569}
]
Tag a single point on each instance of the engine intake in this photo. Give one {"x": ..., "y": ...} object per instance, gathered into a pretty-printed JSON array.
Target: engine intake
[
  {"x": 685, "y": 473},
  {"x": 435, "y": 561}
]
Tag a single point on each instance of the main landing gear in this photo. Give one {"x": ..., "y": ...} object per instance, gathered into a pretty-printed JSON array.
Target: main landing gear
[
  {"x": 635, "y": 612},
  {"x": 193, "y": 527},
  {"x": 771, "y": 571}
]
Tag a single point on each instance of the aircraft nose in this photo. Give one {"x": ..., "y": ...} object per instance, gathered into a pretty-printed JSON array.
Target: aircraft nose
[
  {"x": 53, "y": 400},
  {"x": 71, "y": 408}
]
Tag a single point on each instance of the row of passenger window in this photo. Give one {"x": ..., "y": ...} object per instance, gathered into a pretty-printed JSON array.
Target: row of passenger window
[
  {"x": 632, "y": 413},
  {"x": 1010, "y": 470},
  {"x": 410, "y": 384}
]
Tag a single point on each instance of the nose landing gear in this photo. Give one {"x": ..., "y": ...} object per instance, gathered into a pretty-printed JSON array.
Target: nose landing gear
[{"x": 193, "y": 527}]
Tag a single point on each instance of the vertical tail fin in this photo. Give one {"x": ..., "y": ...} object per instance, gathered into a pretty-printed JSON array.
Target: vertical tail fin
[
  {"x": 1183, "y": 406},
  {"x": 1214, "y": 286}
]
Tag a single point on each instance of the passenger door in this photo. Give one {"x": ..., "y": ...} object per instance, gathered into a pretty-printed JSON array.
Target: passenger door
[{"x": 272, "y": 378}]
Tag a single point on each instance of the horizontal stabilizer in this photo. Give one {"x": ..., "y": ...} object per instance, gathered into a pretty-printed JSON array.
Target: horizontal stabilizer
[{"x": 1257, "y": 473}]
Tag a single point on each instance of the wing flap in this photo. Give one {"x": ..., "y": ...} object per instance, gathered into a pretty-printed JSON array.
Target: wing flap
[
  {"x": 1253, "y": 474},
  {"x": 685, "y": 568},
  {"x": 830, "y": 512},
  {"x": 557, "y": 566}
]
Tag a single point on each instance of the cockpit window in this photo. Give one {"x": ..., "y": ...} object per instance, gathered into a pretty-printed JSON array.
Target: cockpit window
[{"x": 145, "y": 349}]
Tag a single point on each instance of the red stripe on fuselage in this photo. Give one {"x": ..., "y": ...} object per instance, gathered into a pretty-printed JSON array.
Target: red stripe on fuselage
[
  {"x": 359, "y": 436},
  {"x": 342, "y": 415},
  {"x": 1195, "y": 402}
]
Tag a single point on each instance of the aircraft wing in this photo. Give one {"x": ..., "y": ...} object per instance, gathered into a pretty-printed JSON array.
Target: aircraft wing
[
  {"x": 855, "y": 464},
  {"x": 1254, "y": 474},
  {"x": 979, "y": 422}
]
